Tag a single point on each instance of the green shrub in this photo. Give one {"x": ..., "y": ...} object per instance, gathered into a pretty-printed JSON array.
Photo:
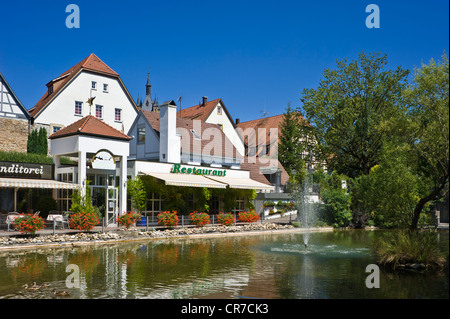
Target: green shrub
[
  {"x": 402, "y": 247},
  {"x": 45, "y": 204},
  {"x": 25, "y": 158},
  {"x": 37, "y": 142},
  {"x": 336, "y": 208},
  {"x": 82, "y": 204}
]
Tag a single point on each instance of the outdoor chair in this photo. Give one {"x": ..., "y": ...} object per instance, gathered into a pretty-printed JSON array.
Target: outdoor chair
[
  {"x": 65, "y": 220},
  {"x": 10, "y": 218}
]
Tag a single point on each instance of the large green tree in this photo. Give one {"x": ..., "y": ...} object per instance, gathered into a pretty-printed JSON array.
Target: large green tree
[
  {"x": 293, "y": 129},
  {"x": 428, "y": 132},
  {"x": 348, "y": 109}
]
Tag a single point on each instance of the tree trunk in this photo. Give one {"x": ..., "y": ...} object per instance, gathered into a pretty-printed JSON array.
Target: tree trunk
[{"x": 421, "y": 204}]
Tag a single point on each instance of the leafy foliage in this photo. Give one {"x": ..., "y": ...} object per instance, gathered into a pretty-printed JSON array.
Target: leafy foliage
[
  {"x": 348, "y": 108},
  {"x": 83, "y": 204},
  {"x": 25, "y": 157},
  {"x": 293, "y": 130},
  {"x": 137, "y": 192},
  {"x": 37, "y": 142},
  {"x": 402, "y": 247}
]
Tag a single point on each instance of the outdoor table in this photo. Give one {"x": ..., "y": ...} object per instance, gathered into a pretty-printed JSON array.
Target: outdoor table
[{"x": 55, "y": 217}]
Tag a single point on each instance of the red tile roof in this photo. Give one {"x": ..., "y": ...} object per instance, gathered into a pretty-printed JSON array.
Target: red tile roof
[
  {"x": 90, "y": 125},
  {"x": 154, "y": 120},
  {"x": 201, "y": 112},
  {"x": 91, "y": 63},
  {"x": 255, "y": 172},
  {"x": 264, "y": 123}
]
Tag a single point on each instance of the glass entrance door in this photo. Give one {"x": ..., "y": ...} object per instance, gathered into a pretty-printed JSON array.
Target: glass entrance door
[{"x": 111, "y": 205}]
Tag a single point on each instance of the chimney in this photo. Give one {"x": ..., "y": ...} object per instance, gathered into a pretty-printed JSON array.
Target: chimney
[
  {"x": 205, "y": 99},
  {"x": 237, "y": 121},
  {"x": 169, "y": 141}
]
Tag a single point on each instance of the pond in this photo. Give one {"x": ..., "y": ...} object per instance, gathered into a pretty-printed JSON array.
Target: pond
[{"x": 275, "y": 266}]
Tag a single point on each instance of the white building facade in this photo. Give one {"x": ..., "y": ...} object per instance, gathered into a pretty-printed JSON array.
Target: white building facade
[{"x": 67, "y": 96}]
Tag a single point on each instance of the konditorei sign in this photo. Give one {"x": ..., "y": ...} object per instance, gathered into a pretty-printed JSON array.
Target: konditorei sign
[
  {"x": 177, "y": 168},
  {"x": 104, "y": 160},
  {"x": 26, "y": 170}
]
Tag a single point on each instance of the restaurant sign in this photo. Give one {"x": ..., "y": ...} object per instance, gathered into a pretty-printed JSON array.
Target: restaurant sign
[
  {"x": 177, "y": 168},
  {"x": 26, "y": 170}
]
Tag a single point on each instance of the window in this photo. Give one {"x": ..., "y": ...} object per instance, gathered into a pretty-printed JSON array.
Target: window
[
  {"x": 64, "y": 196},
  {"x": 56, "y": 128},
  {"x": 99, "y": 111},
  {"x": 78, "y": 108},
  {"x": 118, "y": 115},
  {"x": 105, "y": 87},
  {"x": 214, "y": 205},
  {"x": 50, "y": 90},
  {"x": 220, "y": 126},
  {"x": 155, "y": 203},
  {"x": 141, "y": 134},
  {"x": 94, "y": 85},
  {"x": 219, "y": 109},
  {"x": 240, "y": 205}
]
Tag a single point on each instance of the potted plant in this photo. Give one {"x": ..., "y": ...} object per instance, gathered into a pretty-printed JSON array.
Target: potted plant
[
  {"x": 225, "y": 219},
  {"x": 168, "y": 219},
  {"x": 128, "y": 219},
  {"x": 83, "y": 220},
  {"x": 29, "y": 224},
  {"x": 248, "y": 217},
  {"x": 199, "y": 219}
]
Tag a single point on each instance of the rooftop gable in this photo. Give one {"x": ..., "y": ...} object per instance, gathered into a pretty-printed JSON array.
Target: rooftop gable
[
  {"x": 153, "y": 119},
  {"x": 8, "y": 99},
  {"x": 266, "y": 123},
  {"x": 201, "y": 112},
  {"x": 92, "y": 63}
]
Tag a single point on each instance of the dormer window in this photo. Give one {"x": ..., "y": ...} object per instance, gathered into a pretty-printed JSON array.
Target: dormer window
[
  {"x": 219, "y": 110},
  {"x": 50, "y": 90}
]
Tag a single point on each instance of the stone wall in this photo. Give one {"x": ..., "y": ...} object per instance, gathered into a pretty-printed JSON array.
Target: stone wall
[{"x": 13, "y": 134}]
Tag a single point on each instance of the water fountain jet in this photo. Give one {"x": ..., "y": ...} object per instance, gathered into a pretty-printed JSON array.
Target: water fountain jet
[{"x": 306, "y": 210}]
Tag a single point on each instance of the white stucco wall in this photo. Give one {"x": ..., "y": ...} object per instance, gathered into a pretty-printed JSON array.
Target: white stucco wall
[
  {"x": 228, "y": 128},
  {"x": 61, "y": 111},
  {"x": 148, "y": 150}
]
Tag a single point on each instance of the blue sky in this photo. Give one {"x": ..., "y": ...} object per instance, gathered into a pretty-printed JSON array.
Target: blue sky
[{"x": 252, "y": 54}]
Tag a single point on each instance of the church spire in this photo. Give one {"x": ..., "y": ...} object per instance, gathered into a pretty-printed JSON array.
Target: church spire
[{"x": 148, "y": 86}]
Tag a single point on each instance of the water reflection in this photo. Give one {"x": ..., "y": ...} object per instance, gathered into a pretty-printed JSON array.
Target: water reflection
[{"x": 266, "y": 266}]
